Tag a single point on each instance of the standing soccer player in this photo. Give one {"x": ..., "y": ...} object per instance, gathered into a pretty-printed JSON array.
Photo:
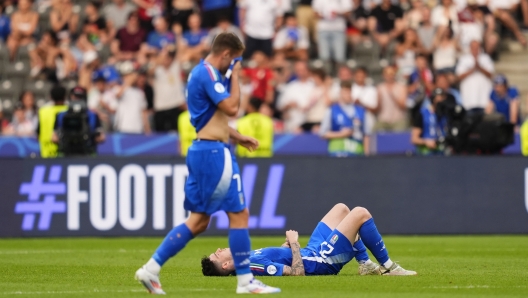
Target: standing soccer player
[{"x": 214, "y": 181}]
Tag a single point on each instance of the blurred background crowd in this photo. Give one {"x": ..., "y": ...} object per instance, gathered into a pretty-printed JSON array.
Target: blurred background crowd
[{"x": 337, "y": 68}]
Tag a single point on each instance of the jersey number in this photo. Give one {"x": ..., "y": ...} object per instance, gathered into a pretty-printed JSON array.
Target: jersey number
[
  {"x": 324, "y": 252},
  {"x": 239, "y": 182}
]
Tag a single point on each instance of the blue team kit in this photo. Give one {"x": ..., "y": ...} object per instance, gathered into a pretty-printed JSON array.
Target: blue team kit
[
  {"x": 214, "y": 181},
  {"x": 326, "y": 254}
]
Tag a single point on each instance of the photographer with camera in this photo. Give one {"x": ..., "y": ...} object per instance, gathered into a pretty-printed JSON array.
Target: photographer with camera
[
  {"x": 430, "y": 124},
  {"x": 78, "y": 130}
]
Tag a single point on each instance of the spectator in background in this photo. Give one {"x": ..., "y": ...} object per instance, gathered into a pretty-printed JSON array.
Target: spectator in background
[
  {"x": 503, "y": 9},
  {"x": 193, "y": 43},
  {"x": 117, "y": 13},
  {"x": 143, "y": 84},
  {"x": 292, "y": 39},
  {"x": 294, "y": 99},
  {"x": 474, "y": 71},
  {"x": 158, "y": 39},
  {"x": 477, "y": 23},
  {"x": 180, "y": 11},
  {"x": 261, "y": 77},
  {"x": 224, "y": 25},
  {"x": 414, "y": 17},
  {"x": 258, "y": 21},
  {"x": 306, "y": 16},
  {"x": 406, "y": 52},
  {"x": 344, "y": 74},
  {"x": 131, "y": 115},
  {"x": 43, "y": 56},
  {"x": 366, "y": 96},
  {"x": 257, "y": 126},
  {"x": 428, "y": 126},
  {"x": 20, "y": 126},
  {"x": 424, "y": 72},
  {"x": 385, "y": 23},
  {"x": 331, "y": 28},
  {"x": 426, "y": 31},
  {"x": 446, "y": 50},
  {"x": 63, "y": 20},
  {"x": 129, "y": 39},
  {"x": 343, "y": 125},
  {"x": 148, "y": 10},
  {"x": 168, "y": 91},
  {"x": 392, "y": 97},
  {"x": 359, "y": 21},
  {"x": 215, "y": 10},
  {"x": 5, "y": 24},
  {"x": 442, "y": 81},
  {"x": 504, "y": 99},
  {"x": 95, "y": 25},
  {"x": 317, "y": 101},
  {"x": 446, "y": 15},
  {"x": 24, "y": 23},
  {"x": 95, "y": 100}
]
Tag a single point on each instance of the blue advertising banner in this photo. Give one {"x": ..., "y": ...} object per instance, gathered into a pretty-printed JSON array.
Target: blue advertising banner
[
  {"x": 144, "y": 197},
  {"x": 168, "y": 144}
]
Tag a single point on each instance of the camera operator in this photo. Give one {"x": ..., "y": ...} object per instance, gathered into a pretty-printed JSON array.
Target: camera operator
[
  {"x": 78, "y": 130},
  {"x": 430, "y": 123}
]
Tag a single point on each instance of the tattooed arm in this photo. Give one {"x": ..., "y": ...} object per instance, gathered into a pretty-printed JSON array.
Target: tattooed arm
[{"x": 297, "y": 267}]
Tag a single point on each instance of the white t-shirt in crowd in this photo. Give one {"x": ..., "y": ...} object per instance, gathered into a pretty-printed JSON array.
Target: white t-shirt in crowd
[
  {"x": 129, "y": 113},
  {"x": 295, "y": 92},
  {"x": 168, "y": 87},
  {"x": 475, "y": 88},
  {"x": 260, "y": 17},
  {"x": 502, "y": 4},
  {"x": 439, "y": 18},
  {"x": 326, "y": 8},
  {"x": 368, "y": 96},
  {"x": 282, "y": 38}
]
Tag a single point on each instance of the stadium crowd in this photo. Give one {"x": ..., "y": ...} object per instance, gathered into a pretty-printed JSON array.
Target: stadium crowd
[{"x": 343, "y": 69}]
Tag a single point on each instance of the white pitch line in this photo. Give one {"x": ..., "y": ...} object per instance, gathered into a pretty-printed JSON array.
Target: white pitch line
[
  {"x": 68, "y": 292},
  {"x": 67, "y": 251},
  {"x": 473, "y": 287}
]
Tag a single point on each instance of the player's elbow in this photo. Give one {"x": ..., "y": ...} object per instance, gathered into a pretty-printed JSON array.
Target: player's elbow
[{"x": 229, "y": 108}]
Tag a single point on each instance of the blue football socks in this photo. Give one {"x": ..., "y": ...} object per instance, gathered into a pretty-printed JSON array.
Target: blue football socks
[
  {"x": 361, "y": 252},
  {"x": 173, "y": 243},
  {"x": 240, "y": 245},
  {"x": 372, "y": 239}
]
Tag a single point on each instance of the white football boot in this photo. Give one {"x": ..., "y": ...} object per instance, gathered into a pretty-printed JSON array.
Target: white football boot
[
  {"x": 369, "y": 269},
  {"x": 255, "y": 286},
  {"x": 149, "y": 281},
  {"x": 396, "y": 269}
]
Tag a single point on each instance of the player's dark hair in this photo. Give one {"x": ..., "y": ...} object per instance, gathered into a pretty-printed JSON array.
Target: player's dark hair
[
  {"x": 209, "y": 268},
  {"x": 346, "y": 84},
  {"x": 227, "y": 41}
]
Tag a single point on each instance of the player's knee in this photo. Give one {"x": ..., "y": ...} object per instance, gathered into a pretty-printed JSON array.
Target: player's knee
[
  {"x": 342, "y": 208},
  {"x": 239, "y": 219},
  {"x": 362, "y": 212}
]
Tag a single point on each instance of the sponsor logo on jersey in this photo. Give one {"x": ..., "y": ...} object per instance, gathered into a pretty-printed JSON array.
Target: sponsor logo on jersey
[{"x": 334, "y": 239}]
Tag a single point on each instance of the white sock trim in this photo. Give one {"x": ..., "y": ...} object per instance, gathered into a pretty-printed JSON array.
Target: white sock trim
[
  {"x": 153, "y": 267},
  {"x": 244, "y": 279},
  {"x": 388, "y": 264}
]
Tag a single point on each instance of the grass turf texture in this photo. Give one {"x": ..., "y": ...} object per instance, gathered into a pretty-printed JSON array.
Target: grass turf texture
[{"x": 463, "y": 266}]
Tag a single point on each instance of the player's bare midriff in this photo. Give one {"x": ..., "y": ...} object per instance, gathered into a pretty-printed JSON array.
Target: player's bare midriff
[{"x": 216, "y": 129}]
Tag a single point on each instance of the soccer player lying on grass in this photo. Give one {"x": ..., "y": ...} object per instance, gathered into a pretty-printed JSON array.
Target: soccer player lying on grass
[{"x": 333, "y": 243}]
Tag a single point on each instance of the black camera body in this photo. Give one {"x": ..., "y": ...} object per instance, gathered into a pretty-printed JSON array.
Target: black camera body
[
  {"x": 476, "y": 132},
  {"x": 76, "y": 137}
]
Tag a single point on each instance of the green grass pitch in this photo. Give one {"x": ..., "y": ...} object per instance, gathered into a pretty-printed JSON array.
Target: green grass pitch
[{"x": 460, "y": 266}]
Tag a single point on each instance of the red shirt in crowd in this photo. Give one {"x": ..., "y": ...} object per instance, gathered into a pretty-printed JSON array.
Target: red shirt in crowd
[{"x": 261, "y": 80}]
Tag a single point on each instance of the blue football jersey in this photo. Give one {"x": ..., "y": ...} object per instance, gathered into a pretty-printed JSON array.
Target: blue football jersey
[
  {"x": 271, "y": 261},
  {"x": 205, "y": 90}
]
